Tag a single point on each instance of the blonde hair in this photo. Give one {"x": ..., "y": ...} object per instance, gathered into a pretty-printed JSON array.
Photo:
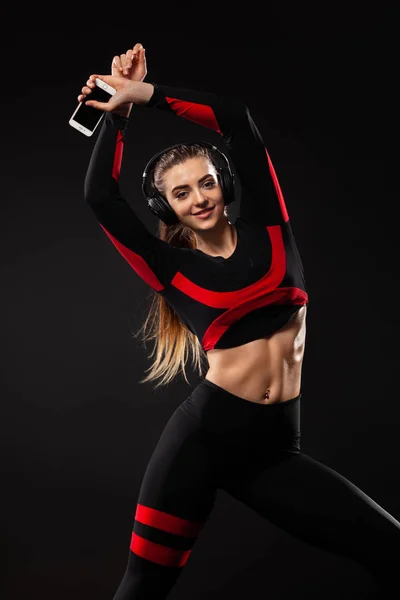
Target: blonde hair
[{"x": 173, "y": 340}]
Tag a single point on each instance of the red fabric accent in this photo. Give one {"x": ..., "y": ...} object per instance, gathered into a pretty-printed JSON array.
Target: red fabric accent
[
  {"x": 289, "y": 295},
  {"x": 119, "y": 148},
  {"x": 162, "y": 555},
  {"x": 278, "y": 189},
  {"x": 265, "y": 285},
  {"x": 240, "y": 302},
  {"x": 202, "y": 114},
  {"x": 166, "y": 522},
  {"x": 137, "y": 263}
]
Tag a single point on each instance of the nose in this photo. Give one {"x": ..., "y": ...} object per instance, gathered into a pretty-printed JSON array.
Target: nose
[{"x": 199, "y": 196}]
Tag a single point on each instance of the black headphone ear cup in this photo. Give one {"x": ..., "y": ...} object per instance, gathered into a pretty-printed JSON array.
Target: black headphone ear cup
[
  {"x": 153, "y": 205},
  {"x": 162, "y": 209},
  {"x": 227, "y": 184}
]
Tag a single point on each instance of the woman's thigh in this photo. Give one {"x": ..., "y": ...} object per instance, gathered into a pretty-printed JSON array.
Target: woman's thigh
[
  {"x": 179, "y": 474},
  {"x": 178, "y": 490},
  {"x": 318, "y": 505}
]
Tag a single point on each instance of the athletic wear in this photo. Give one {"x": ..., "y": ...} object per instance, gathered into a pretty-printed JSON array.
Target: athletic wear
[
  {"x": 216, "y": 440},
  {"x": 225, "y": 302}
]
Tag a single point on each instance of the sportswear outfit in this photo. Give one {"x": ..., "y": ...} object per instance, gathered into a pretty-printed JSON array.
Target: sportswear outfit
[{"x": 215, "y": 439}]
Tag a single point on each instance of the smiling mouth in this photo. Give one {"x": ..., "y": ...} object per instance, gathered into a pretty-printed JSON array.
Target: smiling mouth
[{"x": 204, "y": 212}]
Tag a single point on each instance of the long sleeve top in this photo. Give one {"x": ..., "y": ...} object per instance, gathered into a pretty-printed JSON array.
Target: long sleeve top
[{"x": 225, "y": 302}]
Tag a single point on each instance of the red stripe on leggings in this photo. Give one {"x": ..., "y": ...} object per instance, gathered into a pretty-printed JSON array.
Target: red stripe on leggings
[
  {"x": 169, "y": 557},
  {"x": 166, "y": 522}
]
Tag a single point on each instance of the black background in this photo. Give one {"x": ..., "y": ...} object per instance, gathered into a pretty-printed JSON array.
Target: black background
[{"x": 77, "y": 429}]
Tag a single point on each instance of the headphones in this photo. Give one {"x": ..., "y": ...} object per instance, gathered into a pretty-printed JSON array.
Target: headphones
[{"x": 160, "y": 206}]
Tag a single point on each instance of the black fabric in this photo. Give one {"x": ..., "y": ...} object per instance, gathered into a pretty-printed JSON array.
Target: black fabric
[
  {"x": 224, "y": 301},
  {"x": 216, "y": 440}
]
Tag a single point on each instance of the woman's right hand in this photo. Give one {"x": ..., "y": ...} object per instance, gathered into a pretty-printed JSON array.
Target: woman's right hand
[
  {"x": 137, "y": 92},
  {"x": 131, "y": 66}
]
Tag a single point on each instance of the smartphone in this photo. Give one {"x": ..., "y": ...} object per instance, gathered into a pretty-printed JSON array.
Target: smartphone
[{"x": 86, "y": 118}]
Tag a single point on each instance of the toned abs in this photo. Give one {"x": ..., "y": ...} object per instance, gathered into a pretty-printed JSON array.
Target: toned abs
[{"x": 266, "y": 370}]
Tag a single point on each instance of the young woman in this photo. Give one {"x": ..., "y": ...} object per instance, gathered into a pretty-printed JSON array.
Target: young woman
[{"x": 235, "y": 294}]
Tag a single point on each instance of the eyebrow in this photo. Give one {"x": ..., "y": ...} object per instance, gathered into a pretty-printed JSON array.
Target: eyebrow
[{"x": 178, "y": 187}]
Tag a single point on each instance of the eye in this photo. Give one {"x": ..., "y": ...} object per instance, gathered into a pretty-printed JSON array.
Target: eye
[
  {"x": 211, "y": 181},
  {"x": 179, "y": 196}
]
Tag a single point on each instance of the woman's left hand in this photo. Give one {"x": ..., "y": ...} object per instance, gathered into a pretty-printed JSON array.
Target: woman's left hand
[{"x": 131, "y": 65}]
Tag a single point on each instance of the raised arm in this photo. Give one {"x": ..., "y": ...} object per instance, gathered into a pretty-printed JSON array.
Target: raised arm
[{"x": 154, "y": 260}]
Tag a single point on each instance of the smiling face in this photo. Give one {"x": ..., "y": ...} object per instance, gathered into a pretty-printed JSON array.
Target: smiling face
[{"x": 192, "y": 186}]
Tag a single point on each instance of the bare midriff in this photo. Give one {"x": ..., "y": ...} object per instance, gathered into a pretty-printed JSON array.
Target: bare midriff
[{"x": 267, "y": 370}]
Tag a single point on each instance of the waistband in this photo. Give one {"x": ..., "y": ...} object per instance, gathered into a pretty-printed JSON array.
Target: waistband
[
  {"x": 225, "y": 395},
  {"x": 219, "y": 410}
]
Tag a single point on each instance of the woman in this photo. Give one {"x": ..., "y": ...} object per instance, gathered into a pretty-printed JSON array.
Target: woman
[{"x": 236, "y": 294}]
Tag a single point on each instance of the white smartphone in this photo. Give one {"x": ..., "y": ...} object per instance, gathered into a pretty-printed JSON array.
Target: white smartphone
[{"x": 86, "y": 118}]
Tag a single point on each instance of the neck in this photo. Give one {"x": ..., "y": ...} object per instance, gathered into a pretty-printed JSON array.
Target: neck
[{"x": 219, "y": 240}]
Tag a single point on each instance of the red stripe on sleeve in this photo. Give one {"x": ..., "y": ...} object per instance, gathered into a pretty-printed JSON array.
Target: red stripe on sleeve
[
  {"x": 119, "y": 147},
  {"x": 198, "y": 113},
  {"x": 137, "y": 263},
  {"x": 278, "y": 189}
]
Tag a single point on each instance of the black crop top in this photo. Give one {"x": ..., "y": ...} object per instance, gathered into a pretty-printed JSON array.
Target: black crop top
[{"x": 225, "y": 302}]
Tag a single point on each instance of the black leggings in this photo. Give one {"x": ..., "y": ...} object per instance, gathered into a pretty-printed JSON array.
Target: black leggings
[{"x": 216, "y": 440}]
